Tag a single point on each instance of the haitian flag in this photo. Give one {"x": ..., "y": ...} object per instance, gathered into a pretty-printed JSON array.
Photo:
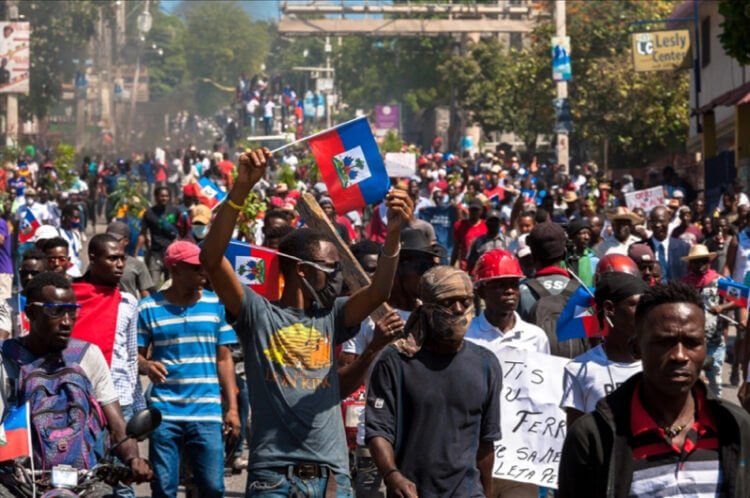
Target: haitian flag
[
  {"x": 257, "y": 267},
  {"x": 578, "y": 319},
  {"x": 351, "y": 165},
  {"x": 15, "y": 433},
  {"x": 209, "y": 193},
  {"x": 734, "y": 292},
  {"x": 29, "y": 225}
]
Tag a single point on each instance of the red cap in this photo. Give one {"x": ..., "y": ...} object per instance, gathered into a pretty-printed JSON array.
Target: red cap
[
  {"x": 497, "y": 263},
  {"x": 182, "y": 251}
]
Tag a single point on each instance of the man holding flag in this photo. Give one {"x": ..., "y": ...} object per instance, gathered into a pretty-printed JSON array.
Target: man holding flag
[
  {"x": 600, "y": 370},
  {"x": 298, "y": 439}
]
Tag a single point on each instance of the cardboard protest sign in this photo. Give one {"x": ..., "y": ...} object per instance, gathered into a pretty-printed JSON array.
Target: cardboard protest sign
[
  {"x": 401, "y": 164},
  {"x": 646, "y": 199},
  {"x": 532, "y": 422}
]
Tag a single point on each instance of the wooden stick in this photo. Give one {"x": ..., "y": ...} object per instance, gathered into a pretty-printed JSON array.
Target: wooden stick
[{"x": 354, "y": 276}]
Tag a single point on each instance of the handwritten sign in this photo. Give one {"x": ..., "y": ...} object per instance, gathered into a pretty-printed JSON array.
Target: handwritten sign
[
  {"x": 646, "y": 199},
  {"x": 400, "y": 164},
  {"x": 532, "y": 422}
]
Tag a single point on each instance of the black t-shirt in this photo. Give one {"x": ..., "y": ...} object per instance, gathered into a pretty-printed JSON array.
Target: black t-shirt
[
  {"x": 435, "y": 410},
  {"x": 161, "y": 224}
]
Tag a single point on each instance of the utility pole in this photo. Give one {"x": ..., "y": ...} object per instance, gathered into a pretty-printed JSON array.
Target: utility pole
[
  {"x": 144, "y": 26},
  {"x": 562, "y": 143},
  {"x": 11, "y": 102}
]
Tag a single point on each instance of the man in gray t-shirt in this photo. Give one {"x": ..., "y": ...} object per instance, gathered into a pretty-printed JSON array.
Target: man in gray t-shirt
[{"x": 298, "y": 440}]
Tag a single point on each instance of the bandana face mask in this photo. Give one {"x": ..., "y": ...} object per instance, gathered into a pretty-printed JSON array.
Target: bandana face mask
[{"x": 447, "y": 325}]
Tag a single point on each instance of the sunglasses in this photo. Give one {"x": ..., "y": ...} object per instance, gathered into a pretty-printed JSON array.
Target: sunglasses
[
  {"x": 324, "y": 266},
  {"x": 53, "y": 310}
]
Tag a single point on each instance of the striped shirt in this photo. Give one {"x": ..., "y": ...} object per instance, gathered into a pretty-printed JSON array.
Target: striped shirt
[
  {"x": 663, "y": 469},
  {"x": 184, "y": 339},
  {"x": 124, "y": 366}
]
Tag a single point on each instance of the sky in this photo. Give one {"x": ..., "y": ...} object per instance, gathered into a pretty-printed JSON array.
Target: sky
[{"x": 259, "y": 10}]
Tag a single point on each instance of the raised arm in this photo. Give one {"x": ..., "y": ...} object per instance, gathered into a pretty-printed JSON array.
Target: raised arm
[
  {"x": 367, "y": 299},
  {"x": 252, "y": 165}
]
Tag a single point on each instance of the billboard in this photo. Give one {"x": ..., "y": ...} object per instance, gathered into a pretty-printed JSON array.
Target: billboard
[
  {"x": 561, "y": 69},
  {"x": 387, "y": 117},
  {"x": 14, "y": 57},
  {"x": 661, "y": 50}
]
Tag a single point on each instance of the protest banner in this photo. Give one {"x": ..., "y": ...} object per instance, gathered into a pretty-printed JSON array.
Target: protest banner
[
  {"x": 401, "y": 164},
  {"x": 532, "y": 422},
  {"x": 646, "y": 199}
]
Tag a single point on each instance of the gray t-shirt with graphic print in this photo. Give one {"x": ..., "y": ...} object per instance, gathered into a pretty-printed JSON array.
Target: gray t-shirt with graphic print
[{"x": 292, "y": 382}]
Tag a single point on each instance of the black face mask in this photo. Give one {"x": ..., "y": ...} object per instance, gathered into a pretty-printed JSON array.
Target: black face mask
[{"x": 326, "y": 296}]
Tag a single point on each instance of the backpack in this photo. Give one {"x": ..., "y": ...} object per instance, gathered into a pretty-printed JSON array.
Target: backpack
[
  {"x": 545, "y": 312},
  {"x": 67, "y": 424}
]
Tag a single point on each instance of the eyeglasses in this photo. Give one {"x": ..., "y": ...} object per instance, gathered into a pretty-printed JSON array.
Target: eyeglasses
[
  {"x": 325, "y": 266},
  {"x": 56, "y": 310}
]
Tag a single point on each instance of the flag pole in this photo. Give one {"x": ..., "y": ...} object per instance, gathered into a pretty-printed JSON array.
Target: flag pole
[
  {"x": 305, "y": 139},
  {"x": 586, "y": 287}
]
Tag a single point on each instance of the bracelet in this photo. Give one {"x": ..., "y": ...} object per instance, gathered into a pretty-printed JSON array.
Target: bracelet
[
  {"x": 394, "y": 255},
  {"x": 233, "y": 204},
  {"x": 389, "y": 473}
]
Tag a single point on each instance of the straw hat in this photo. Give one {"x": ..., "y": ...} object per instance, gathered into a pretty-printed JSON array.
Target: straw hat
[
  {"x": 623, "y": 213},
  {"x": 570, "y": 197},
  {"x": 699, "y": 251}
]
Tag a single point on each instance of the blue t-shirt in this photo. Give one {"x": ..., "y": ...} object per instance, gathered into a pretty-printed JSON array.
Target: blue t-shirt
[
  {"x": 6, "y": 262},
  {"x": 293, "y": 383},
  {"x": 184, "y": 339}
]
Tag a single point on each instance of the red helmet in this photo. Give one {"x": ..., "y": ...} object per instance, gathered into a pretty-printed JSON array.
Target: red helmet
[
  {"x": 617, "y": 262},
  {"x": 497, "y": 263}
]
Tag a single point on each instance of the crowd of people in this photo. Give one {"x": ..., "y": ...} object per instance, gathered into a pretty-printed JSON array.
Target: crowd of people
[{"x": 392, "y": 388}]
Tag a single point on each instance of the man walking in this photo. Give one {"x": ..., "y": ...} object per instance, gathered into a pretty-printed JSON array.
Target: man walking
[
  {"x": 158, "y": 230},
  {"x": 190, "y": 361},
  {"x": 298, "y": 443},
  {"x": 451, "y": 392},
  {"x": 662, "y": 433}
]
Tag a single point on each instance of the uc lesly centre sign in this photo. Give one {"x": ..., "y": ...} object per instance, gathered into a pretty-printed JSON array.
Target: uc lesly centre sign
[{"x": 661, "y": 50}]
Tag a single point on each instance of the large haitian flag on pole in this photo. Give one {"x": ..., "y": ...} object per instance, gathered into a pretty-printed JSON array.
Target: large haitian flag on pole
[
  {"x": 351, "y": 166},
  {"x": 257, "y": 267}
]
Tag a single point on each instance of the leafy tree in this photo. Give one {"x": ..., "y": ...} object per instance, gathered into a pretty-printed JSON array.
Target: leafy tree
[
  {"x": 639, "y": 114},
  {"x": 168, "y": 70},
  {"x": 735, "y": 35},
  {"x": 60, "y": 32},
  {"x": 506, "y": 91},
  {"x": 220, "y": 42}
]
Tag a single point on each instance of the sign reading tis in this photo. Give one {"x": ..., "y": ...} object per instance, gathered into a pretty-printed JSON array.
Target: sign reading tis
[
  {"x": 661, "y": 50},
  {"x": 532, "y": 422}
]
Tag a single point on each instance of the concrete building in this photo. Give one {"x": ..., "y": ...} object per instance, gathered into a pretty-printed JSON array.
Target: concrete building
[{"x": 722, "y": 104}]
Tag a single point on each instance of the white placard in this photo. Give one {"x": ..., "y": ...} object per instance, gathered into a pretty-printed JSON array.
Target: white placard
[
  {"x": 532, "y": 422},
  {"x": 646, "y": 199},
  {"x": 401, "y": 164}
]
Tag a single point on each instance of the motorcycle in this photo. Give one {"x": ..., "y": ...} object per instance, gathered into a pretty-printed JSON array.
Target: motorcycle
[{"x": 65, "y": 481}]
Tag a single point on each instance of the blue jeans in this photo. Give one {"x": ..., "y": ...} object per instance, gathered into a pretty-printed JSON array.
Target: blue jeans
[
  {"x": 272, "y": 484},
  {"x": 243, "y": 402},
  {"x": 715, "y": 354},
  {"x": 204, "y": 448},
  {"x": 122, "y": 490}
]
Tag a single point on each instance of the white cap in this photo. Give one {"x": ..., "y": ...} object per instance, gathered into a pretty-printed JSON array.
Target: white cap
[{"x": 45, "y": 232}]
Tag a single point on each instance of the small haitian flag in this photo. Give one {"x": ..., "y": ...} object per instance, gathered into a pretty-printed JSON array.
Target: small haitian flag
[
  {"x": 351, "y": 165},
  {"x": 28, "y": 227},
  {"x": 257, "y": 267},
  {"x": 734, "y": 292},
  {"x": 578, "y": 319},
  {"x": 15, "y": 434},
  {"x": 209, "y": 193}
]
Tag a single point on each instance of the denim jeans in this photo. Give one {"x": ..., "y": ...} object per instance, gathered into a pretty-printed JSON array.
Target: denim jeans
[
  {"x": 243, "y": 403},
  {"x": 204, "y": 448},
  {"x": 122, "y": 490},
  {"x": 271, "y": 484},
  {"x": 715, "y": 355}
]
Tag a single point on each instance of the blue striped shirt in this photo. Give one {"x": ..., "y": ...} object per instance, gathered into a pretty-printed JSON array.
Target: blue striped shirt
[{"x": 184, "y": 339}]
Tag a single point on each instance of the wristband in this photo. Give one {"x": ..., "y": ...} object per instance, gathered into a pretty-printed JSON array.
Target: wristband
[
  {"x": 233, "y": 204},
  {"x": 394, "y": 255},
  {"x": 390, "y": 472}
]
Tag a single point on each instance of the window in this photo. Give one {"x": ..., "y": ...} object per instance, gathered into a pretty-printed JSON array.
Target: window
[{"x": 705, "y": 42}]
